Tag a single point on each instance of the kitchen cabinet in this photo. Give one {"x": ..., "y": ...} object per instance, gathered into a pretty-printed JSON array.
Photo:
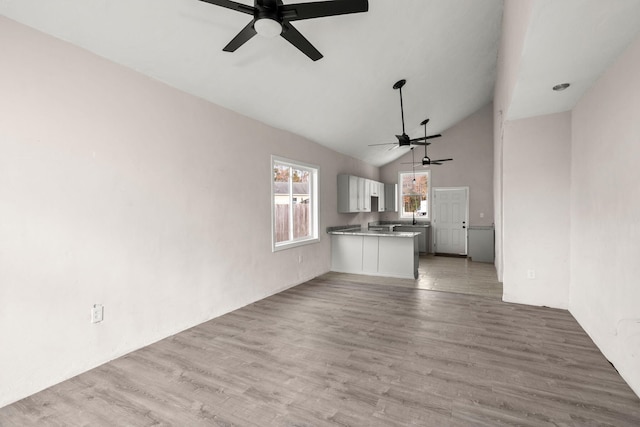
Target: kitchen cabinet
[
  {"x": 398, "y": 257},
  {"x": 364, "y": 195},
  {"x": 374, "y": 188},
  {"x": 348, "y": 190},
  {"x": 390, "y": 198},
  {"x": 370, "y": 249},
  {"x": 354, "y": 193},
  {"x": 381, "y": 197},
  {"x": 423, "y": 238},
  {"x": 375, "y": 254},
  {"x": 346, "y": 253},
  {"x": 481, "y": 243}
]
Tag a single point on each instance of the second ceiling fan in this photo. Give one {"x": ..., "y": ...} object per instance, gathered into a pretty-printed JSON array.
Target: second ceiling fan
[
  {"x": 426, "y": 161},
  {"x": 404, "y": 140}
]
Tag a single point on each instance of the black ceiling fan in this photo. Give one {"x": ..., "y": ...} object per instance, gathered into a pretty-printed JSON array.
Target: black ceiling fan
[
  {"x": 404, "y": 140},
  {"x": 272, "y": 18},
  {"x": 426, "y": 161}
]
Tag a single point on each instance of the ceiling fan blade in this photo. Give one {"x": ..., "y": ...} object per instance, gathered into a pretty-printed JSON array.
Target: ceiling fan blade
[
  {"x": 232, "y": 5},
  {"x": 421, "y": 139},
  {"x": 299, "y": 11},
  {"x": 386, "y": 143},
  {"x": 419, "y": 142},
  {"x": 243, "y": 36},
  {"x": 294, "y": 37},
  {"x": 441, "y": 160}
]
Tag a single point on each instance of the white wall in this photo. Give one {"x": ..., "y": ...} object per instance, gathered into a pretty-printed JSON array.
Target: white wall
[
  {"x": 536, "y": 191},
  {"x": 605, "y": 206},
  {"x": 515, "y": 22},
  {"x": 592, "y": 175},
  {"x": 470, "y": 144},
  {"x": 119, "y": 190}
]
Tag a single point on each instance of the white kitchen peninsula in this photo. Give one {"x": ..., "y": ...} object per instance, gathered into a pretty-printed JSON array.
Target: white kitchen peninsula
[{"x": 375, "y": 253}]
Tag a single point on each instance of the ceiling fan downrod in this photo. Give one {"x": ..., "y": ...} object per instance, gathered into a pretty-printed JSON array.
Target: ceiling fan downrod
[
  {"x": 403, "y": 140},
  {"x": 398, "y": 86}
]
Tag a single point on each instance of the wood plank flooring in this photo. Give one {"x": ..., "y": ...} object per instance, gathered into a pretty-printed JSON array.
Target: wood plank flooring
[
  {"x": 440, "y": 273},
  {"x": 335, "y": 351}
]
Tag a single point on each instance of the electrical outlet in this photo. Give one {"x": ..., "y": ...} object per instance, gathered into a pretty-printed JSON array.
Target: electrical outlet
[
  {"x": 97, "y": 313},
  {"x": 531, "y": 274}
]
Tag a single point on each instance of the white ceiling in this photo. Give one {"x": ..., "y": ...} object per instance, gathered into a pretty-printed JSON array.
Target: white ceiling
[
  {"x": 570, "y": 41},
  {"x": 446, "y": 49}
]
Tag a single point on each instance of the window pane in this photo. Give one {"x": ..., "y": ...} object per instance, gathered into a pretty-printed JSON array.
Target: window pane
[
  {"x": 281, "y": 173},
  {"x": 415, "y": 194},
  {"x": 281, "y": 202},
  {"x": 295, "y": 204},
  {"x": 301, "y": 204}
]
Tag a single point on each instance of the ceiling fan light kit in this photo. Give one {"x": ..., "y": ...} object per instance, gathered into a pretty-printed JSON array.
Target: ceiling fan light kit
[
  {"x": 272, "y": 18},
  {"x": 267, "y": 27}
]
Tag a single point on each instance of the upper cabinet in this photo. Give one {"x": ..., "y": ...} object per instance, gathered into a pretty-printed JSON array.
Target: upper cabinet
[
  {"x": 364, "y": 195},
  {"x": 381, "y": 197},
  {"x": 354, "y": 194},
  {"x": 374, "y": 188},
  {"x": 348, "y": 189},
  {"x": 390, "y": 198}
]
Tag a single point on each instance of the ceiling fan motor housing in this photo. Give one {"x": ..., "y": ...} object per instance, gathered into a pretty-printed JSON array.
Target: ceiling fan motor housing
[{"x": 404, "y": 140}]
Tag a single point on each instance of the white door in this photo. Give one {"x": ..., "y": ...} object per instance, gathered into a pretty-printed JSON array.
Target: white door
[{"x": 450, "y": 220}]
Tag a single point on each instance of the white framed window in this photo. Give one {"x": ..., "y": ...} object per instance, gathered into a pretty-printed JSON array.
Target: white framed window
[
  {"x": 414, "y": 194},
  {"x": 294, "y": 203}
]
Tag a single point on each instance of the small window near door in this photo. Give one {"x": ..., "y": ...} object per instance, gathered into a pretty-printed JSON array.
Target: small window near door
[
  {"x": 294, "y": 197},
  {"x": 414, "y": 194}
]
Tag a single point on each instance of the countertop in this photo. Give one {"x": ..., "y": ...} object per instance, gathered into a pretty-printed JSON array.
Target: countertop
[
  {"x": 358, "y": 232},
  {"x": 401, "y": 223}
]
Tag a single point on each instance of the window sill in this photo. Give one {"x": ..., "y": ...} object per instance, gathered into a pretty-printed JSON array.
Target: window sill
[{"x": 294, "y": 244}]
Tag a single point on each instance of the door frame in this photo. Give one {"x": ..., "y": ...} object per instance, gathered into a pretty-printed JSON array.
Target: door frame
[{"x": 434, "y": 190}]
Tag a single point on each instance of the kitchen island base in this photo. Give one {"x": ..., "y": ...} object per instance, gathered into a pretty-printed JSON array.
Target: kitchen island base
[{"x": 387, "y": 254}]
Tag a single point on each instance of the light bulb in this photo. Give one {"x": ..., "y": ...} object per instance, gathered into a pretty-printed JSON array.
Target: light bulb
[{"x": 267, "y": 27}]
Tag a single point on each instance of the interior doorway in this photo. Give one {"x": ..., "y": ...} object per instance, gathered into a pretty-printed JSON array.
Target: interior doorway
[{"x": 450, "y": 220}]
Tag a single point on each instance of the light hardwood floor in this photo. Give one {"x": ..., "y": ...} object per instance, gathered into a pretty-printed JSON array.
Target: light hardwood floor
[
  {"x": 440, "y": 273},
  {"x": 338, "y": 351}
]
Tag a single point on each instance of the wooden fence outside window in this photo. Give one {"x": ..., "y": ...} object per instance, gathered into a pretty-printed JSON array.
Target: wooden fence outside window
[{"x": 300, "y": 221}]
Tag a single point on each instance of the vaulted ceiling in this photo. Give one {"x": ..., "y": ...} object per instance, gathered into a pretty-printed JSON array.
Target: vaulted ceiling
[{"x": 445, "y": 49}]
